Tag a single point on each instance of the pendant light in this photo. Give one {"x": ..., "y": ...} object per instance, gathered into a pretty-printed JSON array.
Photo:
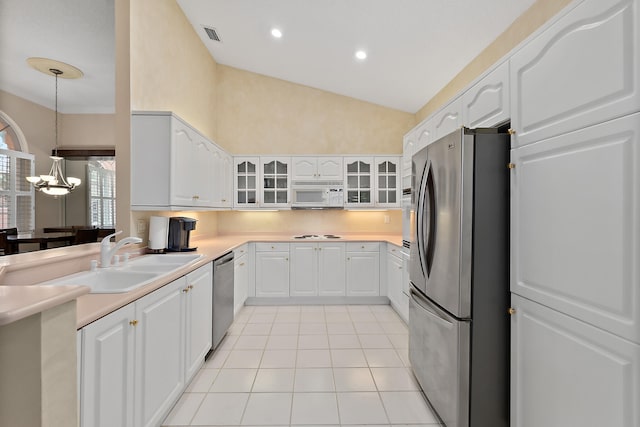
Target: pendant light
[{"x": 54, "y": 184}]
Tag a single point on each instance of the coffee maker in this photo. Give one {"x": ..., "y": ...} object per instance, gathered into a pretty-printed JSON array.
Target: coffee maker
[{"x": 179, "y": 229}]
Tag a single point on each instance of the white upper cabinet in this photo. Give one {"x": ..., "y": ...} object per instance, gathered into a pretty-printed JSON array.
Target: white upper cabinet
[
  {"x": 316, "y": 168},
  {"x": 486, "y": 104},
  {"x": 408, "y": 148},
  {"x": 173, "y": 167},
  {"x": 388, "y": 181},
  {"x": 222, "y": 176},
  {"x": 575, "y": 224},
  {"x": 358, "y": 185},
  {"x": 276, "y": 181},
  {"x": 424, "y": 135},
  {"x": 581, "y": 71},
  {"x": 246, "y": 180},
  {"x": 448, "y": 119}
]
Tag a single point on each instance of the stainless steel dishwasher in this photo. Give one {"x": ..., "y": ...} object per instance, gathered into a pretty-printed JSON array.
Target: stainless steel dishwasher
[{"x": 222, "y": 297}]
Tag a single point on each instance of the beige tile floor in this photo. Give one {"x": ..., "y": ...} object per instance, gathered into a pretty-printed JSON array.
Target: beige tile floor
[{"x": 307, "y": 366}]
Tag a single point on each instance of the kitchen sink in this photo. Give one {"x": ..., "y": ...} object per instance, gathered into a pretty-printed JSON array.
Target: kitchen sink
[
  {"x": 136, "y": 273},
  {"x": 107, "y": 281}
]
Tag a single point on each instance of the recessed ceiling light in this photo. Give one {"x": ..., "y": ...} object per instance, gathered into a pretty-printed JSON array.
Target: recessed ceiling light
[
  {"x": 361, "y": 55},
  {"x": 276, "y": 33}
]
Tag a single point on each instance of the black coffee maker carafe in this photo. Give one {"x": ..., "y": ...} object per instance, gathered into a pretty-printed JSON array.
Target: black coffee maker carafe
[{"x": 179, "y": 229}]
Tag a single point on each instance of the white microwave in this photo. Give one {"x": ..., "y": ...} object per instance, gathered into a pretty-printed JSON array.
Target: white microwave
[{"x": 317, "y": 195}]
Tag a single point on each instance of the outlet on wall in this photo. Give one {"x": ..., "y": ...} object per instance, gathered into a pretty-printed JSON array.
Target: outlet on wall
[{"x": 141, "y": 226}]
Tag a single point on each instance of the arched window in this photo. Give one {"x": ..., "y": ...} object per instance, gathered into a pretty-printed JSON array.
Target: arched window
[{"x": 17, "y": 207}]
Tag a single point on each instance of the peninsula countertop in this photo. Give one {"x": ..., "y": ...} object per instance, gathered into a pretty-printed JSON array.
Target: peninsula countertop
[{"x": 91, "y": 307}]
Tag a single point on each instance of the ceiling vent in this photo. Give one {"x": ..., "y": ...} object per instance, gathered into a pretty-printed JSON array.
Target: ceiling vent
[{"x": 212, "y": 33}]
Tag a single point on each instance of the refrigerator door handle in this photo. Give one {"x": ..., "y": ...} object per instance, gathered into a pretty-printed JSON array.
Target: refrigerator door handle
[
  {"x": 420, "y": 228},
  {"x": 431, "y": 218},
  {"x": 421, "y": 301}
]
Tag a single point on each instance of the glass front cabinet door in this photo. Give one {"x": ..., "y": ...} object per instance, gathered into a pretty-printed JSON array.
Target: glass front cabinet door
[
  {"x": 246, "y": 182},
  {"x": 275, "y": 182},
  {"x": 358, "y": 181},
  {"x": 388, "y": 180}
]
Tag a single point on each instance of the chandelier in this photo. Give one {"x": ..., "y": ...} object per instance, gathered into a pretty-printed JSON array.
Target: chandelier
[{"x": 54, "y": 183}]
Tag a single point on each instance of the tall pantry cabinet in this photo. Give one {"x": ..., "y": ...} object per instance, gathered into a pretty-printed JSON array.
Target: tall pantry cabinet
[{"x": 575, "y": 220}]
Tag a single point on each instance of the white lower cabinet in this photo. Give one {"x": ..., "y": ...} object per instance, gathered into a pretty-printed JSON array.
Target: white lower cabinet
[
  {"x": 395, "y": 277},
  {"x": 363, "y": 269},
  {"x": 198, "y": 316},
  {"x": 565, "y": 372},
  {"x": 137, "y": 360},
  {"x": 317, "y": 269},
  {"x": 159, "y": 364},
  {"x": 272, "y": 269},
  {"x": 240, "y": 277},
  {"x": 106, "y": 390}
]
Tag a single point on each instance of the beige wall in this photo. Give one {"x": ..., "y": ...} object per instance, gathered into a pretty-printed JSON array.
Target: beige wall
[
  {"x": 263, "y": 115},
  {"x": 539, "y": 13},
  {"x": 171, "y": 70},
  {"x": 310, "y": 222}
]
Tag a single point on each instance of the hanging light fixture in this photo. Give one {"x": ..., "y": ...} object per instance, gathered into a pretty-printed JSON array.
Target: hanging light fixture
[{"x": 55, "y": 184}]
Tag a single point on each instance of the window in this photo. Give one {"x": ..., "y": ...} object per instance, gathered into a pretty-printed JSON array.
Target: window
[
  {"x": 101, "y": 179},
  {"x": 17, "y": 207}
]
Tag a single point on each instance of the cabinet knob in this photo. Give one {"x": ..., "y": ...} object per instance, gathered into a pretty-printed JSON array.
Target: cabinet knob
[
  {"x": 511, "y": 311},
  {"x": 224, "y": 200},
  {"x": 399, "y": 267},
  {"x": 241, "y": 264},
  {"x": 511, "y": 165},
  {"x": 348, "y": 258},
  {"x": 273, "y": 247},
  {"x": 511, "y": 131},
  {"x": 286, "y": 259},
  {"x": 185, "y": 290},
  {"x": 133, "y": 322},
  {"x": 362, "y": 247},
  {"x": 190, "y": 287}
]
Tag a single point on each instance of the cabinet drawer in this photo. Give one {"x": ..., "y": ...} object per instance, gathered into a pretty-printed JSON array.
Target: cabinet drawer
[
  {"x": 394, "y": 250},
  {"x": 272, "y": 247},
  {"x": 241, "y": 250},
  {"x": 363, "y": 246}
]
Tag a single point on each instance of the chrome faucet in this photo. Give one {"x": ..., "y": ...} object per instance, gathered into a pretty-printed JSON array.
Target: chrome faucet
[{"x": 107, "y": 252}]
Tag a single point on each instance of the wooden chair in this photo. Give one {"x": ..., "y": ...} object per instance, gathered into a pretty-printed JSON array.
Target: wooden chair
[
  {"x": 5, "y": 246},
  {"x": 85, "y": 235}
]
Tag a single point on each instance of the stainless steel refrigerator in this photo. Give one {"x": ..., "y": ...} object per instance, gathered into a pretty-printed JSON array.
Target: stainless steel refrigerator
[{"x": 458, "y": 321}]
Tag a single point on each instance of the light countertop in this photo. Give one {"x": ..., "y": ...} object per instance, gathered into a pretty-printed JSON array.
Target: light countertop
[
  {"x": 91, "y": 307},
  {"x": 18, "y": 302}
]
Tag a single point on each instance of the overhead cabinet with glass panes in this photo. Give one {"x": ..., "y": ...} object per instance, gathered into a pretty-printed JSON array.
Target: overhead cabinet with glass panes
[
  {"x": 372, "y": 182},
  {"x": 275, "y": 181},
  {"x": 246, "y": 182},
  {"x": 265, "y": 181}
]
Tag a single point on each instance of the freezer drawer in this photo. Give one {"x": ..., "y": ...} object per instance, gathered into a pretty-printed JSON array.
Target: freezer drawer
[{"x": 439, "y": 354}]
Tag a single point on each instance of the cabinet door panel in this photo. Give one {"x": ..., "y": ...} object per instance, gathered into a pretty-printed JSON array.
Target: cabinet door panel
[
  {"x": 567, "y": 373},
  {"x": 330, "y": 168},
  {"x": 304, "y": 168},
  {"x": 272, "y": 274},
  {"x": 575, "y": 221},
  {"x": 159, "y": 376},
  {"x": 447, "y": 120},
  {"x": 331, "y": 269},
  {"x": 182, "y": 150},
  {"x": 363, "y": 274},
  {"x": 199, "y": 319},
  {"x": 240, "y": 282},
  {"x": 304, "y": 265},
  {"x": 582, "y": 70},
  {"x": 107, "y": 370},
  {"x": 486, "y": 104}
]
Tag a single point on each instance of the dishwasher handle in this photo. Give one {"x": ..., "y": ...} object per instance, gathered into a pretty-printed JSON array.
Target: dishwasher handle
[{"x": 224, "y": 259}]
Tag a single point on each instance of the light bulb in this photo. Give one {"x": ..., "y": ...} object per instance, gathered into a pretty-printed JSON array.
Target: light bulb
[
  {"x": 74, "y": 181},
  {"x": 276, "y": 33},
  {"x": 361, "y": 55}
]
